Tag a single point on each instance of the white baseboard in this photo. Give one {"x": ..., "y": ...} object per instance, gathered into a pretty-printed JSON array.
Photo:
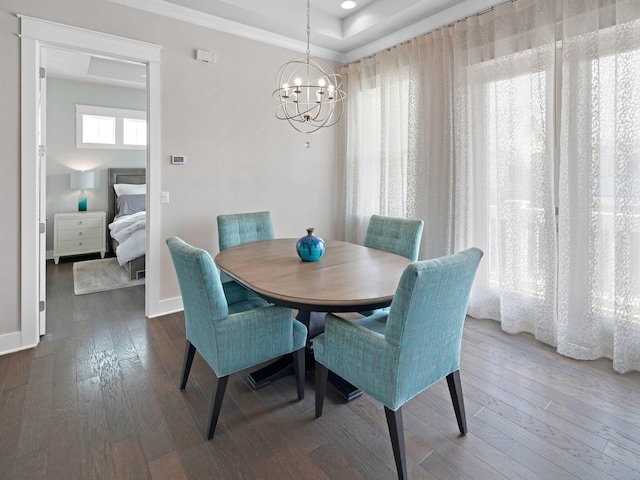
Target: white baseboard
[
  {"x": 12, "y": 342},
  {"x": 166, "y": 307}
]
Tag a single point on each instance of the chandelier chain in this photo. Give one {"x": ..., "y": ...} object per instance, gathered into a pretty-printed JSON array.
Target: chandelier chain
[{"x": 308, "y": 26}]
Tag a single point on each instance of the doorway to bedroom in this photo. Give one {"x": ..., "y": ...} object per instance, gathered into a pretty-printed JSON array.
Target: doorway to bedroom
[
  {"x": 96, "y": 157},
  {"x": 37, "y": 38}
]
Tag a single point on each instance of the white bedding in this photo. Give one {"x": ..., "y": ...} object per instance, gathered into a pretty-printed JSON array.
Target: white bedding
[{"x": 129, "y": 231}]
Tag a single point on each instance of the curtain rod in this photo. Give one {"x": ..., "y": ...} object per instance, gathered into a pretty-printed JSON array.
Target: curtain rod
[{"x": 477, "y": 14}]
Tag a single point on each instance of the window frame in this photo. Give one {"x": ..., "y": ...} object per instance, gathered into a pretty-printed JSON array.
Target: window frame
[{"x": 119, "y": 114}]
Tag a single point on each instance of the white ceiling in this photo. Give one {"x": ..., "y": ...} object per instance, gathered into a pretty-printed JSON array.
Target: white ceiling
[
  {"x": 336, "y": 34},
  {"x": 77, "y": 65}
]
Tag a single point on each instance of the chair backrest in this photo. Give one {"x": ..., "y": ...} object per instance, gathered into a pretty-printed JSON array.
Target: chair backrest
[
  {"x": 395, "y": 235},
  {"x": 202, "y": 294},
  {"x": 427, "y": 316},
  {"x": 236, "y": 229}
]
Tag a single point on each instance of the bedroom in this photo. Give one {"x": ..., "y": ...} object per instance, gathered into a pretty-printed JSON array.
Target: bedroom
[{"x": 78, "y": 83}]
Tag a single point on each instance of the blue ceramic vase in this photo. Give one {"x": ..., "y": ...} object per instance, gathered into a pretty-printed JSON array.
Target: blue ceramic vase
[{"x": 310, "y": 248}]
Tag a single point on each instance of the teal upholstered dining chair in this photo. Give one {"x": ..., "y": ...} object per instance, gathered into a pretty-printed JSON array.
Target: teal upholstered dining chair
[
  {"x": 237, "y": 229},
  {"x": 393, "y": 356},
  {"x": 395, "y": 235},
  {"x": 401, "y": 236},
  {"x": 230, "y": 336}
]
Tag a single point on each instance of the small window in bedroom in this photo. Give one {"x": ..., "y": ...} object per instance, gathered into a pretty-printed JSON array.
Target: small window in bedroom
[
  {"x": 98, "y": 129},
  {"x": 105, "y": 127},
  {"x": 134, "y": 131}
]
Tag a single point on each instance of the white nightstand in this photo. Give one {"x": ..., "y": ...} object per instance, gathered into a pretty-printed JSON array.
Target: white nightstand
[{"x": 78, "y": 233}]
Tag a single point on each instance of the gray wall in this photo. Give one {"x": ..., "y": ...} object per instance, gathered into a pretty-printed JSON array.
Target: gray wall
[
  {"x": 62, "y": 155},
  {"x": 220, "y": 115}
]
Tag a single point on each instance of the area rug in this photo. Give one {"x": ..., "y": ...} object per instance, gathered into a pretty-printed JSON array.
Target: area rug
[{"x": 93, "y": 276}]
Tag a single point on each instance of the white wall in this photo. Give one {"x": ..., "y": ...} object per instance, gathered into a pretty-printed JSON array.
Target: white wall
[
  {"x": 63, "y": 157},
  {"x": 221, "y": 116}
]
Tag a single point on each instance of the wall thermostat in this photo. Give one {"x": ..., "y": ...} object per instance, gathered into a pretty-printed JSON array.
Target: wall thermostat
[
  {"x": 178, "y": 159},
  {"x": 204, "y": 56}
]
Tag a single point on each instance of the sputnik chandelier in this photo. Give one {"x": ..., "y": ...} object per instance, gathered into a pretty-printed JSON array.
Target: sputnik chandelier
[{"x": 308, "y": 91}]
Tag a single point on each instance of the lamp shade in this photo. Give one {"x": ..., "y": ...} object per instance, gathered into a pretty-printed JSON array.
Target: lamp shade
[{"x": 83, "y": 180}]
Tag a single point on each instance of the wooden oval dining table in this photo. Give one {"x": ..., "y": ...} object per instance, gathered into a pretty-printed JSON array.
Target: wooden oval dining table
[{"x": 347, "y": 278}]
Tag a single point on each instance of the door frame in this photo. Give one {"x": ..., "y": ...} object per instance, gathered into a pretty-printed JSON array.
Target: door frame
[
  {"x": 41, "y": 104},
  {"x": 35, "y": 35}
]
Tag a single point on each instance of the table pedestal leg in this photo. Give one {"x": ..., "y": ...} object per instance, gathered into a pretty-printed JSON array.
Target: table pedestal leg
[
  {"x": 314, "y": 321},
  {"x": 281, "y": 368}
]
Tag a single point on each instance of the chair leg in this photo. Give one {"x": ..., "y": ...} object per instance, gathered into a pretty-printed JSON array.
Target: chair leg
[
  {"x": 216, "y": 404},
  {"x": 321, "y": 373},
  {"x": 299, "y": 371},
  {"x": 455, "y": 389},
  {"x": 189, "y": 353},
  {"x": 396, "y": 432}
]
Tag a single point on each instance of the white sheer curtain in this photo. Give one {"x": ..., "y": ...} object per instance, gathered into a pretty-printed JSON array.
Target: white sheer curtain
[
  {"x": 464, "y": 127},
  {"x": 397, "y": 159},
  {"x": 505, "y": 90},
  {"x": 599, "y": 231},
  {"x": 456, "y": 128}
]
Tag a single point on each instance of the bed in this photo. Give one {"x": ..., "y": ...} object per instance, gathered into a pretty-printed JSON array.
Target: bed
[{"x": 126, "y": 218}]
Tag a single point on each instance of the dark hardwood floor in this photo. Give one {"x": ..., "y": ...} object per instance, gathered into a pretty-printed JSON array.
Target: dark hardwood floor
[{"x": 99, "y": 398}]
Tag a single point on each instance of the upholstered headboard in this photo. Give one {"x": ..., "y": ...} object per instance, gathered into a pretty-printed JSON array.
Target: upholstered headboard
[{"x": 121, "y": 175}]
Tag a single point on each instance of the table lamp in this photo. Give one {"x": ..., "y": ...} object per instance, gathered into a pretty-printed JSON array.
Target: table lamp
[{"x": 83, "y": 180}]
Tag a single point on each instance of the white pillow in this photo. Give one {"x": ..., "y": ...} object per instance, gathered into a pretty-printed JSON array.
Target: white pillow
[{"x": 129, "y": 189}]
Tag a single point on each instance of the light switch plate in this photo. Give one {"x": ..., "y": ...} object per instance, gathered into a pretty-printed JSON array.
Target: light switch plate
[{"x": 178, "y": 159}]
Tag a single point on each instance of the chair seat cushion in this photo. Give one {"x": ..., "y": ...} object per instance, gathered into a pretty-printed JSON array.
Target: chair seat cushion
[
  {"x": 376, "y": 322},
  {"x": 248, "y": 304},
  {"x": 234, "y": 292}
]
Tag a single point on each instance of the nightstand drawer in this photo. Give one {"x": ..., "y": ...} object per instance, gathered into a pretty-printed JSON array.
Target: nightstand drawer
[
  {"x": 79, "y": 234},
  {"x": 80, "y": 245},
  {"x": 82, "y": 223}
]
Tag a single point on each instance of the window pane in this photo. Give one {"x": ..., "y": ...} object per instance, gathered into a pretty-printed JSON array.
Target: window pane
[
  {"x": 98, "y": 129},
  {"x": 615, "y": 205},
  {"x": 134, "y": 131},
  {"x": 518, "y": 161}
]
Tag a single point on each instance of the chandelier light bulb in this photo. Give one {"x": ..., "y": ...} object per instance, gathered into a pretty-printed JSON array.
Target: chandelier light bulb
[
  {"x": 322, "y": 82},
  {"x": 297, "y": 82}
]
